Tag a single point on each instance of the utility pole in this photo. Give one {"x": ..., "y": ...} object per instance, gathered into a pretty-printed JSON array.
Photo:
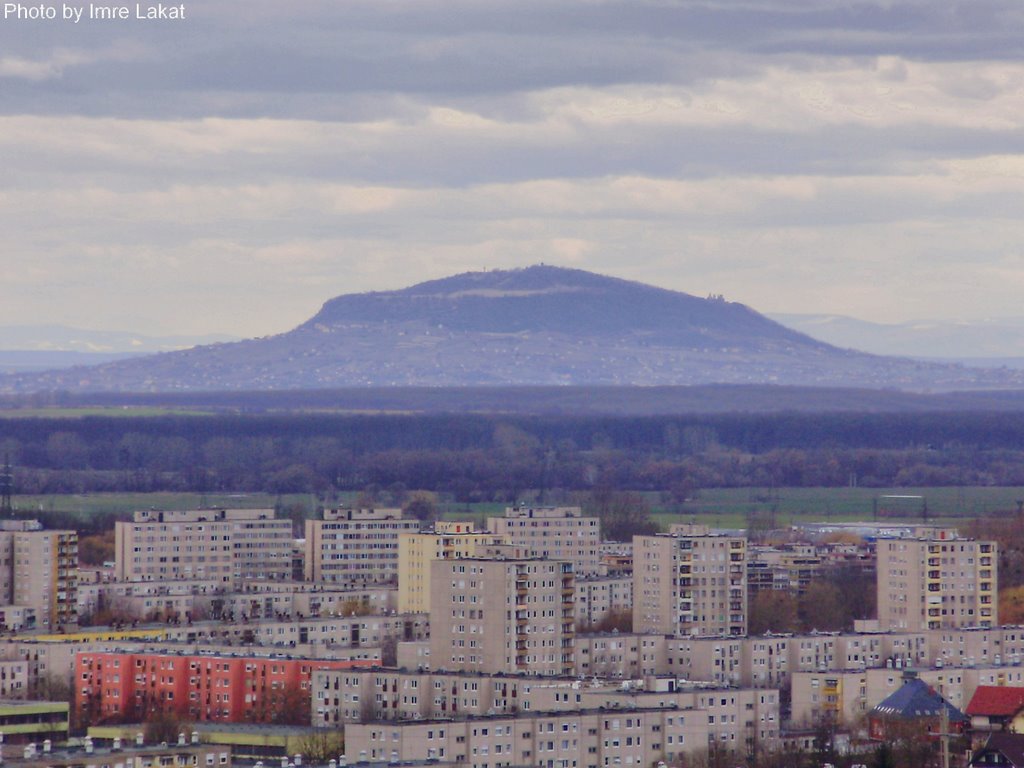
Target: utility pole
[{"x": 944, "y": 734}]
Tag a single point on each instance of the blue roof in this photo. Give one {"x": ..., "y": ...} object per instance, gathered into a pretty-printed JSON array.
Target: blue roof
[{"x": 917, "y": 699}]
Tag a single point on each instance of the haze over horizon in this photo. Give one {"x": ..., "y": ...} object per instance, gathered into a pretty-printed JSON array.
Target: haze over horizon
[{"x": 230, "y": 172}]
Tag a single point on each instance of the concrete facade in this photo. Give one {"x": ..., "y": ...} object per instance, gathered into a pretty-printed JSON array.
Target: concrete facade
[
  {"x": 355, "y": 545},
  {"x": 934, "y": 579},
  {"x": 416, "y": 551},
  {"x": 226, "y": 546},
  {"x": 555, "y": 533},
  {"x": 38, "y": 575},
  {"x": 690, "y": 582},
  {"x": 498, "y": 615}
]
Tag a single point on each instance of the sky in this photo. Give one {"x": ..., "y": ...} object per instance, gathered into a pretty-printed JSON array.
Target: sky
[{"x": 230, "y": 171}]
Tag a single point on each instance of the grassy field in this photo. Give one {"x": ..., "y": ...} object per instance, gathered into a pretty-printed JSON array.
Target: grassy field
[
  {"x": 724, "y": 507},
  {"x": 88, "y": 503},
  {"x": 732, "y": 507}
]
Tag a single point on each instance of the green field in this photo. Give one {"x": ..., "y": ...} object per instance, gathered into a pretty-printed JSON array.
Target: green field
[
  {"x": 732, "y": 507},
  {"x": 89, "y": 503},
  {"x": 723, "y": 507}
]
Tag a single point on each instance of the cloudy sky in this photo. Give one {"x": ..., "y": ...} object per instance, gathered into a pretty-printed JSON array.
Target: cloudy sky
[{"x": 231, "y": 171}]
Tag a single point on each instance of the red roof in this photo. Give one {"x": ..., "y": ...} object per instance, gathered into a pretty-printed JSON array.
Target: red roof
[{"x": 996, "y": 701}]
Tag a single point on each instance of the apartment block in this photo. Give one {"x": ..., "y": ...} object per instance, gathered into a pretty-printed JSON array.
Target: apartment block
[
  {"x": 690, "y": 582},
  {"x": 384, "y": 694},
  {"x": 600, "y": 598},
  {"x": 367, "y": 632},
  {"x": 555, "y": 533},
  {"x": 632, "y": 723},
  {"x": 622, "y": 655},
  {"x": 586, "y": 738},
  {"x": 976, "y": 646},
  {"x": 226, "y": 546},
  {"x": 614, "y": 655},
  {"x": 416, "y": 551},
  {"x": 14, "y": 679},
  {"x": 789, "y": 568},
  {"x": 38, "y": 576},
  {"x": 195, "y": 601},
  {"x": 124, "y": 754},
  {"x": 503, "y": 615},
  {"x": 355, "y": 545},
  {"x": 934, "y": 579},
  {"x": 125, "y": 685},
  {"x": 770, "y": 660}
]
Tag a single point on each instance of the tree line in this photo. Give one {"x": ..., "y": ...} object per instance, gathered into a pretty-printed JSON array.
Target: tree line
[{"x": 496, "y": 457}]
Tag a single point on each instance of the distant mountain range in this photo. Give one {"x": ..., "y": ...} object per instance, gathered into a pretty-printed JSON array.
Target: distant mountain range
[
  {"x": 536, "y": 326},
  {"x": 991, "y": 342},
  {"x": 44, "y": 347}
]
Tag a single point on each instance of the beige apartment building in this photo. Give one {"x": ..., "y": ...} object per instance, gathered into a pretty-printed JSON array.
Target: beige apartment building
[
  {"x": 612, "y": 655},
  {"x": 223, "y": 545},
  {"x": 502, "y": 615},
  {"x": 584, "y": 738},
  {"x": 636, "y": 723},
  {"x": 622, "y": 655},
  {"x": 602, "y": 597},
  {"x": 367, "y": 632},
  {"x": 38, "y": 574},
  {"x": 690, "y": 582},
  {"x": 355, "y": 545},
  {"x": 555, "y": 533},
  {"x": 934, "y": 579},
  {"x": 416, "y": 551},
  {"x": 982, "y": 646},
  {"x": 771, "y": 660},
  {"x": 846, "y": 696}
]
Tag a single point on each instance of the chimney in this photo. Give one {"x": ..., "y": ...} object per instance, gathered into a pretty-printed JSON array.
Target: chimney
[
  {"x": 117, "y": 744},
  {"x": 195, "y": 737},
  {"x": 46, "y": 746},
  {"x": 88, "y": 745},
  {"x": 139, "y": 740},
  {"x": 181, "y": 739}
]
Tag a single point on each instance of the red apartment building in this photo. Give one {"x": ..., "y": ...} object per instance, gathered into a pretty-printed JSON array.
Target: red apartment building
[{"x": 126, "y": 687}]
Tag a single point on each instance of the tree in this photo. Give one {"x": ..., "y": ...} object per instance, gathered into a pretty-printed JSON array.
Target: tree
[
  {"x": 288, "y": 705},
  {"x": 624, "y": 514},
  {"x": 389, "y": 652},
  {"x": 773, "y": 610},
  {"x": 320, "y": 745},
  {"x": 821, "y": 607},
  {"x": 51, "y": 687},
  {"x": 422, "y": 506},
  {"x": 884, "y": 757},
  {"x": 164, "y": 724},
  {"x": 96, "y": 549}
]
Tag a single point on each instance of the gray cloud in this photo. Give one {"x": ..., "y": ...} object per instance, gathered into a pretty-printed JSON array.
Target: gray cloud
[{"x": 263, "y": 156}]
